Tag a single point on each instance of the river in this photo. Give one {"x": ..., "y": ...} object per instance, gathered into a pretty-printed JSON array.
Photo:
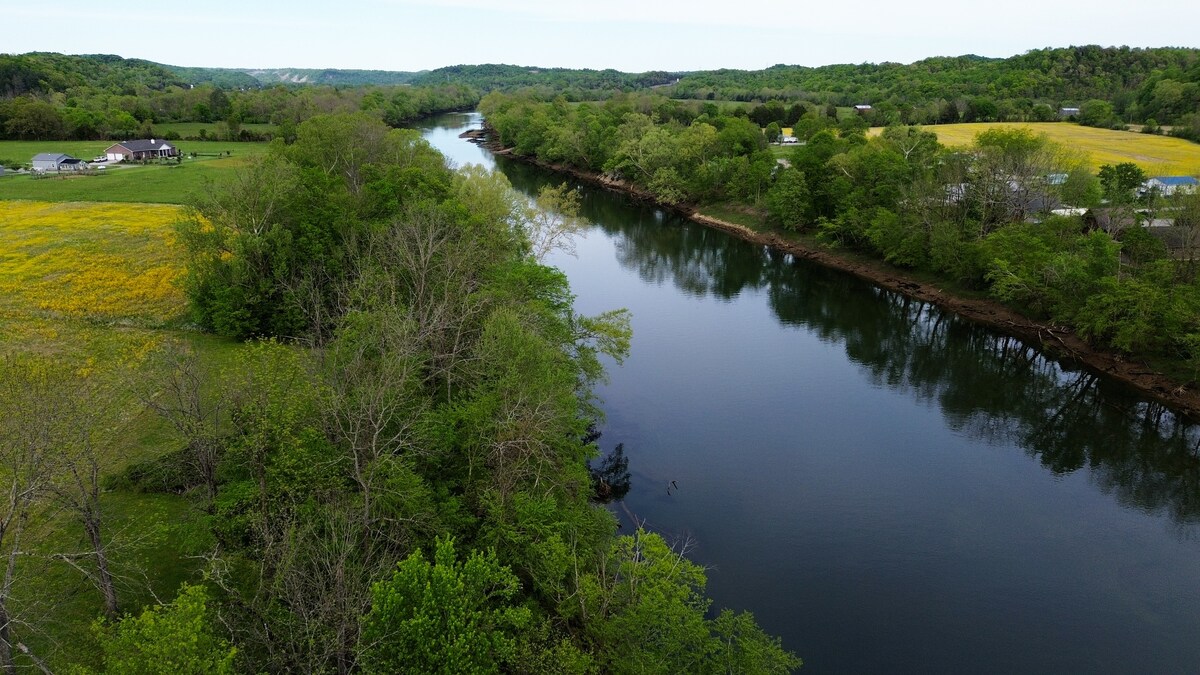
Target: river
[{"x": 885, "y": 486}]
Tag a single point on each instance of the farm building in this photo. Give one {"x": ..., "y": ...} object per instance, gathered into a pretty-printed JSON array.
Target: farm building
[
  {"x": 1169, "y": 185},
  {"x": 1065, "y": 113},
  {"x": 140, "y": 149},
  {"x": 863, "y": 108},
  {"x": 57, "y": 161}
]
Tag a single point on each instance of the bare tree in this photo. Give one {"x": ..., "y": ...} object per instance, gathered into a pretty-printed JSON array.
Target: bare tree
[
  {"x": 373, "y": 398},
  {"x": 423, "y": 263},
  {"x": 184, "y": 401},
  {"x": 553, "y": 221},
  {"x": 27, "y": 446}
]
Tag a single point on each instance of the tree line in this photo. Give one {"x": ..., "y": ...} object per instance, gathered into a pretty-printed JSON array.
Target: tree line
[
  {"x": 1137, "y": 85},
  {"x": 391, "y": 474},
  {"x": 980, "y": 217},
  {"x": 58, "y": 97}
]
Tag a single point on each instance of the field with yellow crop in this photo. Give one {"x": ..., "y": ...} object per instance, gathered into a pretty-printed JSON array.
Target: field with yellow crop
[
  {"x": 110, "y": 263},
  {"x": 1157, "y": 155}
]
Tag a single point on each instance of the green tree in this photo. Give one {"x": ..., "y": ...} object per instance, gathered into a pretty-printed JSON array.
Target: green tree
[
  {"x": 173, "y": 638},
  {"x": 1097, "y": 113},
  {"x": 34, "y": 120},
  {"x": 1121, "y": 181},
  {"x": 1043, "y": 113},
  {"x": 788, "y": 201},
  {"x": 444, "y": 616},
  {"x": 773, "y": 132},
  {"x": 644, "y": 612}
]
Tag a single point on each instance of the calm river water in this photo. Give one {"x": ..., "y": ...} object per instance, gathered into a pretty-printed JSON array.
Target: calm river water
[{"x": 886, "y": 487}]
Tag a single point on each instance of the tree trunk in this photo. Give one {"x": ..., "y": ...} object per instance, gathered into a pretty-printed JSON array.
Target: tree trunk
[
  {"x": 6, "y": 645},
  {"x": 6, "y": 655},
  {"x": 103, "y": 576}
]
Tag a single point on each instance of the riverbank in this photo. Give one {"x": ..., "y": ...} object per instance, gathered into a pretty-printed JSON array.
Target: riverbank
[{"x": 1055, "y": 340}]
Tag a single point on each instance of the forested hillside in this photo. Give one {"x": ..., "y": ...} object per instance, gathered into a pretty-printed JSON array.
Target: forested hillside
[
  {"x": 577, "y": 83},
  {"x": 52, "y": 96},
  {"x": 1111, "y": 87},
  {"x": 1138, "y": 85}
]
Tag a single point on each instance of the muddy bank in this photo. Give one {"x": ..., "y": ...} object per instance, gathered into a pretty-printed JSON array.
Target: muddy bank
[{"x": 1053, "y": 340}]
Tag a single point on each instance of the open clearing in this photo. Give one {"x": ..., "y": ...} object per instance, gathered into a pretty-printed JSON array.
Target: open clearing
[
  {"x": 92, "y": 287},
  {"x": 153, "y": 183},
  {"x": 103, "y": 262},
  {"x": 1157, "y": 155}
]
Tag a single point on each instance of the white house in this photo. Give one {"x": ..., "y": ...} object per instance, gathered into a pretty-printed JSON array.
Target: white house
[{"x": 1169, "y": 185}]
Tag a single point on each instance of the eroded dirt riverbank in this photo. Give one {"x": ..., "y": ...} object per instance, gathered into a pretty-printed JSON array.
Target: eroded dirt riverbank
[{"x": 1054, "y": 340}]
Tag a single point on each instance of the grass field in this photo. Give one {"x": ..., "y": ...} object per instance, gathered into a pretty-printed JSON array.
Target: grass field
[
  {"x": 214, "y": 129},
  {"x": 1157, "y": 155},
  {"x": 92, "y": 287},
  {"x": 23, "y": 151},
  {"x": 155, "y": 183}
]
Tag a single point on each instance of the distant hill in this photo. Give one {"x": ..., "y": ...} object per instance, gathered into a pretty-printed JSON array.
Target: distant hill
[
  {"x": 1064, "y": 74},
  {"x": 257, "y": 77},
  {"x": 491, "y": 76},
  {"x": 44, "y": 72}
]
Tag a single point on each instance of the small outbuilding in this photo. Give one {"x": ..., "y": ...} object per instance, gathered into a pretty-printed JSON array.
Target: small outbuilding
[
  {"x": 1067, "y": 113},
  {"x": 56, "y": 161},
  {"x": 141, "y": 149}
]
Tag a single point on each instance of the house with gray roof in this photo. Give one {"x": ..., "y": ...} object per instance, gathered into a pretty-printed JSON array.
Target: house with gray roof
[
  {"x": 140, "y": 149},
  {"x": 57, "y": 161}
]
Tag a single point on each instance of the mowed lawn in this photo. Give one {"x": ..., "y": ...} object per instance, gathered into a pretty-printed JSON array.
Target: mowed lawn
[
  {"x": 153, "y": 183},
  {"x": 1157, "y": 155}
]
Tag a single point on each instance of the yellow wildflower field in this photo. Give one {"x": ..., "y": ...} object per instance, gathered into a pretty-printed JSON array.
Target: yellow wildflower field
[
  {"x": 105, "y": 262},
  {"x": 1157, "y": 155}
]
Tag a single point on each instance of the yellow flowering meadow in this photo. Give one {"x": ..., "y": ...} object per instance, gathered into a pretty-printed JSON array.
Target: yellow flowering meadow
[
  {"x": 1157, "y": 155},
  {"x": 109, "y": 262}
]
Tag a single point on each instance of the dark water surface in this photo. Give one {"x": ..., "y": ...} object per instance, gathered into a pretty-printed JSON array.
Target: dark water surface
[{"x": 887, "y": 487}]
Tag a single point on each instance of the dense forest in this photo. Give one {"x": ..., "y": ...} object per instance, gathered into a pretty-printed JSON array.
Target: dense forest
[
  {"x": 980, "y": 217},
  {"x": 51, "y": 96},
  {"x": 575, "y": 84},
  {"x": 1137, "y": 84},
  {"x": 391, "y": 473},
  {"x": 108, "y": 96}
]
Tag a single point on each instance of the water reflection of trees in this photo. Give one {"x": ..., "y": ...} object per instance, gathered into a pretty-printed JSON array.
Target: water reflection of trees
[
  {"x": 988, "y": 386},
  {"x": 995, "y": 387}
]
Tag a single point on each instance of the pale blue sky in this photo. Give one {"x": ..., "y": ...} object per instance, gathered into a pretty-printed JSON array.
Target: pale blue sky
[{"x": 630, "y": 35}]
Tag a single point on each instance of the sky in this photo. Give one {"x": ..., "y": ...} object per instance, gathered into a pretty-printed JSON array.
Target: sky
[{"x": 629, "y": 35}]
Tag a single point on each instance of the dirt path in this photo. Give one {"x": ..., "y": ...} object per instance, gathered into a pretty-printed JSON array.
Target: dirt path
[{"x": 1054, "y": 340}]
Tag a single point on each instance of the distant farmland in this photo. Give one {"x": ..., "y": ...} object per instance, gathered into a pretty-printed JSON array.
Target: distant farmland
[{"x": 1158, "y": 155}]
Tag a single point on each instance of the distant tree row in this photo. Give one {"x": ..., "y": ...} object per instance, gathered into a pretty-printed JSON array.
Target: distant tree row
[
  {"x": 1139, "y": 84},
  {"x": 980, "y": 217},
  {"x": 53, "y": 96}
]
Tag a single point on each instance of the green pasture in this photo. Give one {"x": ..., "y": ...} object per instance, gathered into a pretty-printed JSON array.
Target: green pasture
[{"x": 152, "y": 183}]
